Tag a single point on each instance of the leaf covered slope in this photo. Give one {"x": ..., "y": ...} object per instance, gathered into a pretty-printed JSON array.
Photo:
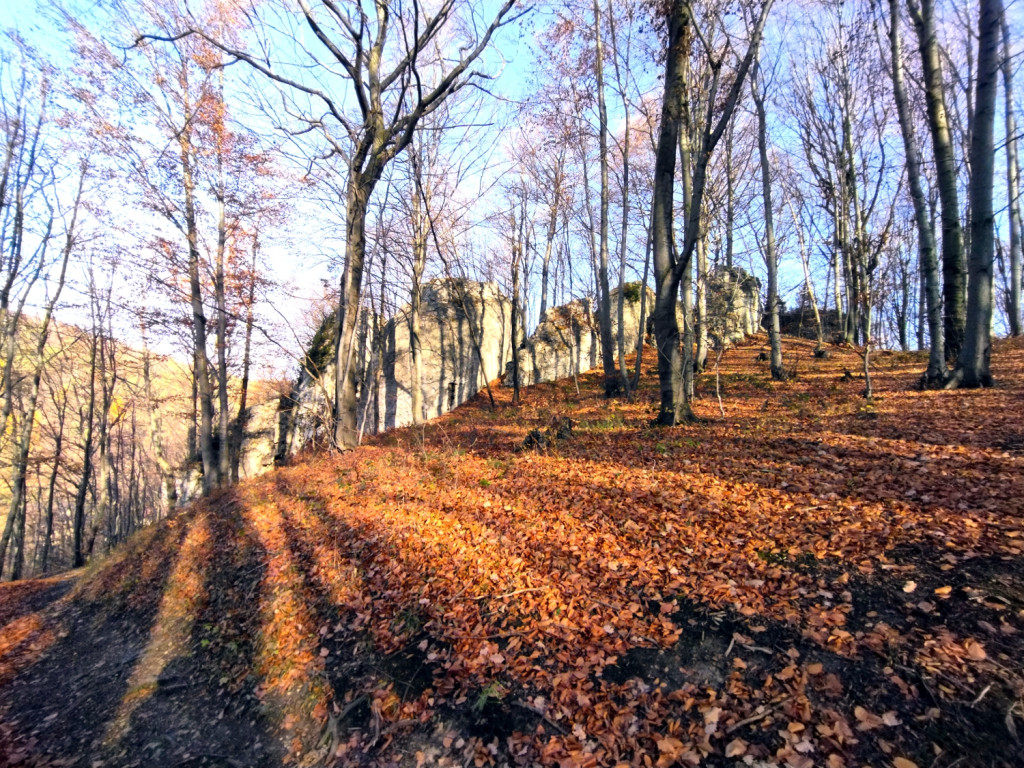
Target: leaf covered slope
[{"x": 806, "y": 581}]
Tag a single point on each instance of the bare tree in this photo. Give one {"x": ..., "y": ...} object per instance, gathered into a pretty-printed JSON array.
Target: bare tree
[
  {"x": 972, "y": 368},
  {"x": 927, "y": 257},
  {"x": 669, "y": 268},
  {"x": 1013, "y": 308},
  {"x": 770, "y": 254},
  {"x": 954, "y": 273}
]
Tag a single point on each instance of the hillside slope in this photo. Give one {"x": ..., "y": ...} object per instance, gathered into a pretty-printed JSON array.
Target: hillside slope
[{"x": 805, "y": 580}]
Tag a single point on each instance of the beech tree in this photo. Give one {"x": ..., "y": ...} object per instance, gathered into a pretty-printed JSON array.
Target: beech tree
[
  {"x": 954, "y": 272},
  {"x": 669, "y": 265},
  {"x": 927, "y": 256},
  {"x": 972, "y": 367}
]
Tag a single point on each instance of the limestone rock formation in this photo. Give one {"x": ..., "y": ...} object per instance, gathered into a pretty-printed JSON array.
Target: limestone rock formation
[
  {"x": 567, "y": 340},
  {"x": 465, "y": 337},
  {"x": 734, "y": 305}
]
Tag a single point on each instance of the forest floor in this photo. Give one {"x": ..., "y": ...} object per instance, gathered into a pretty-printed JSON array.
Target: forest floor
[{"x": 806, "y": 580}]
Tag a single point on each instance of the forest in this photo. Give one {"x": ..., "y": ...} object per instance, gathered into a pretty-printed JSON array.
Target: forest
[{"x": 501, "y": 349}]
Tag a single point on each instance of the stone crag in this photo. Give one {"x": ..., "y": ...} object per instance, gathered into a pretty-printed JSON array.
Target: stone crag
[
  {"x": 567, "y": 341},
  {"x": 465, "y": 338}
]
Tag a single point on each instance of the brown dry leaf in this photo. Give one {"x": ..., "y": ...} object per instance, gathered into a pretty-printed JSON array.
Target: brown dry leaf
[
  {"x": 943, "y": 591},
  {"x": 815, "y": 668},
  {"x": 910, "y": 586},
  {"x": 975, "y": 650},
  {"x": 799, "y": 761},
  {"x": 866, "y": 721},
  {"x": 736, "y": 748},
  {"x": 902, "y": 762}
]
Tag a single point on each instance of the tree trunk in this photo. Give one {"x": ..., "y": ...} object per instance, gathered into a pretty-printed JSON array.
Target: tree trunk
[
  {"x": 243, "y": 394},
  {"x": 1012, "y": 187},
  {"x": 972, "y": 368},
  {"x": 953, "y": 263},
  {"x": 925, "y": 234},
  {"x": 604, "y": 307},
  {"x": 83, "y": 483},
  {"x": 346, "y": 430},
  {"x": 202, "y": 363},
  {"x": 808, "y": 284},
  {"x": 771, "y": 257},
  {"x": 58, "y": 445},
  {"x": 700, "y": 360},
  {"x": 156, "y": 430},
  {"x": 419, "y": 261},
  {"x": 623, "y": 235},
  {"x": 225, "y": 446},
  {"x": 673, "y": 408},
  {"x": 556, "y": 196},
  {"x": 643, "y": 311}
]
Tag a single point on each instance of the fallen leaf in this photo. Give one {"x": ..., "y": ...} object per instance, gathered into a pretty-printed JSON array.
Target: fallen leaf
[{"x": 736, "y": 748}]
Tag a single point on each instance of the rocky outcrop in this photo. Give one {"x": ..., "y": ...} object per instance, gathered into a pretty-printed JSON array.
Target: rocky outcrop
[
  {"x": 567, "y": 341},
  {"x": 734, "y": 305},
  {"x": 465, "y": 337}
]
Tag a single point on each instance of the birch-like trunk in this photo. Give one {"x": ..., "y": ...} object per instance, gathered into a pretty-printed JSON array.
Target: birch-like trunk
[{"x": 604, "y": 305}]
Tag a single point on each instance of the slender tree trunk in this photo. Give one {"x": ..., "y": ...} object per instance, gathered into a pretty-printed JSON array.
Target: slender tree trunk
[
  {"x": 972, "y": 368},
  {"x": 243, "y": 395},
  {"x": 556, "y": 196},
  {"x": 808, "y": 284},
  {"x": 83, "y": 483},
  {"x": 700, "y": 360},
  {"x": 104, "y": 509},
  {"x": 58, "y": 446},
  {"x": 419, "y": 261},
  {"x": 954, "y": 273},
  {"x": 1012, "y": 187},
  {"x": 604, "y": 307},
  {"x": 156, "y": 431},
  {"x": 673, "y": 408},
  {"x": 927, "y": 258},
  {"x": 730, "y": 208},
  {"x": 624, "y": 232},
  {"x": 771, "y": 257},
  {"x": 202, "y": 363},
  {"x": 643, "y": 312},
  {"x": 224, "y": 459},
  {"x": 518, "y": 229}
]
